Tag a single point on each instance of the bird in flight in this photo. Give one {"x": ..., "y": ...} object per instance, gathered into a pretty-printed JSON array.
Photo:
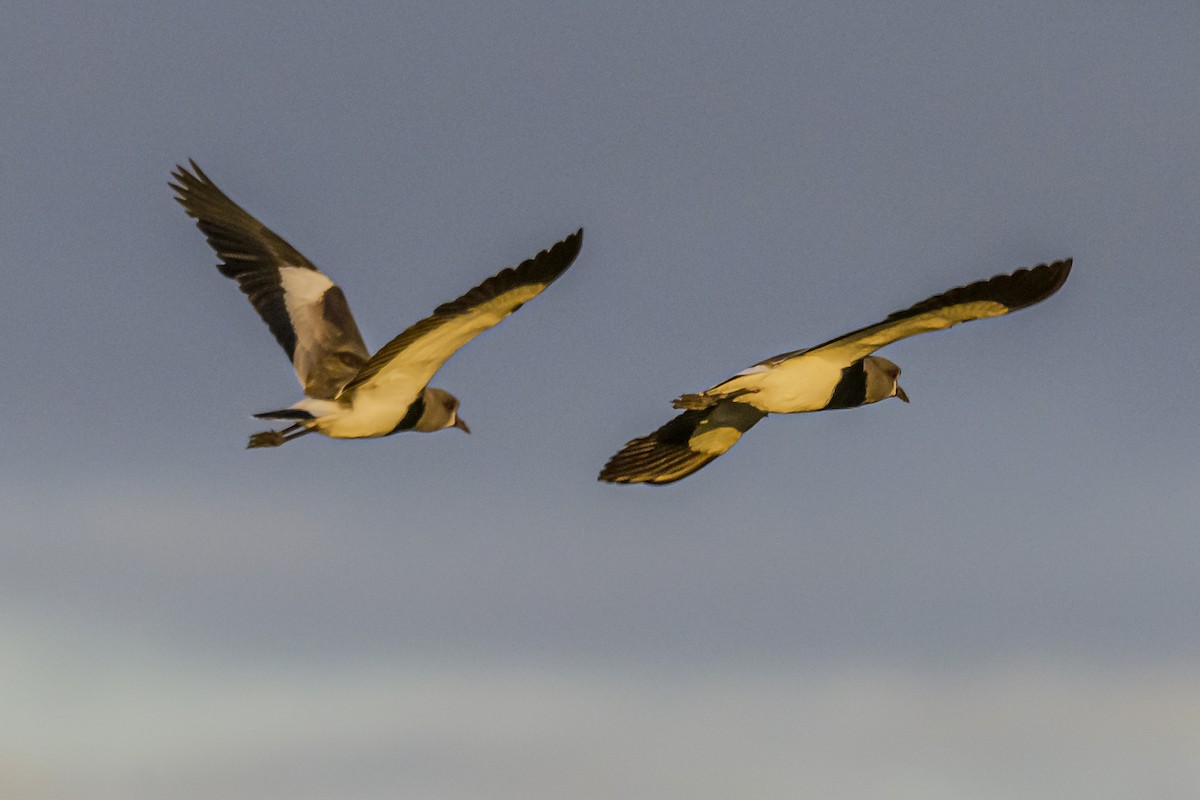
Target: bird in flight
[
  {"x": 349, "y": 393},
  {"x": 840, "y": 373}
]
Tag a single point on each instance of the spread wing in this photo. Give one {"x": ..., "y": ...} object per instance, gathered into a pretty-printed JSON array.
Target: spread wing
[
  {"x": 993, "y": 297},
  {"x": 408, "y": 362},
  {"x": 305, "y": 311},
  {"x": 682, "y": 446}
]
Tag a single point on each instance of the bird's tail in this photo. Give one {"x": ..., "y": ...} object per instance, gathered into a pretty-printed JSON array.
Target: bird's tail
[
  {"x": 682, "y": 446},
  {"x": 285, "y": 413},
  {"x": 694, "y": 402}
]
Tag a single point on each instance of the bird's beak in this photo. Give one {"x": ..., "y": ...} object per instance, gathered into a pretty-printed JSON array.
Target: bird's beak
[
  {"x": 461, "y": 425},
  {"x": 900, "y": 393}
]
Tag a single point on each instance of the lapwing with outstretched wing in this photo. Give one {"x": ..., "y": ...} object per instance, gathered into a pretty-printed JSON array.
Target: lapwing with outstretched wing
[
  {"x": 840, "y": 373},
  {"x": 349, "y": 393}
]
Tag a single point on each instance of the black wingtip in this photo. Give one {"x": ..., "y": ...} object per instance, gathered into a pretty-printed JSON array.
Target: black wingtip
[
  {"x": 1025, "y": 287},
  {"x": 1062, "y": 270},
  {"x": 185, "y": 175},
  {"x": 544, "y": 268},
  {"x": 193, "y": 189},
  {"x": 633, "y": 465},
  {"x": 553, "y": 261},
  {"x": 660, "y": 458},
  {"x": 1015, "y": 290}
]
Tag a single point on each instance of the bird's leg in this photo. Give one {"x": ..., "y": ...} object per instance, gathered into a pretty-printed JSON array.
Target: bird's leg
[
  {"x": 298, "y": 433},
  {"x": 276, "y": 438}
]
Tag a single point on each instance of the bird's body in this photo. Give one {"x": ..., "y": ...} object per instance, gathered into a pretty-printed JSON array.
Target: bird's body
[
  {"x": 840, "y": 373},
  {"x": 802, "y": 384},
  {"x": 348, "y": 392}
]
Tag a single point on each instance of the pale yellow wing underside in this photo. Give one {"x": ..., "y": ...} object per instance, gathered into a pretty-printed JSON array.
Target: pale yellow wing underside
[{"x": 408, "y": 362}]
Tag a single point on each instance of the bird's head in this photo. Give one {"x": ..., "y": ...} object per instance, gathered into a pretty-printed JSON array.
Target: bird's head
[
  {"x": 882, "y": 380},
  {"x": 441, "y": 411}
]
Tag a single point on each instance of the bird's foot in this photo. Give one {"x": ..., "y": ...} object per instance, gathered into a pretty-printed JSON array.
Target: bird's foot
[{"x": 266, "y": 439}]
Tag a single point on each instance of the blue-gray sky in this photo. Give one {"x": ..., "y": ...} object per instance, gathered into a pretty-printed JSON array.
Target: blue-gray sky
[{"x": 1006, "y": 567}]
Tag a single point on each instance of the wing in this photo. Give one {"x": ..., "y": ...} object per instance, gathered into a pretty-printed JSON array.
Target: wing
[
  {"x": 993, "y": 297},
  {"x": 409, "y": 361},
  {"x": 306, "y": 312},
  {"x": 682, "y": 446}
]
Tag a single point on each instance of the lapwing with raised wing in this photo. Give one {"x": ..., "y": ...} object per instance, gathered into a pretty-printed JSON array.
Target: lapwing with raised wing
[
  {"x": 349, "y": 393},
  {"x": 840, "y": 373}
]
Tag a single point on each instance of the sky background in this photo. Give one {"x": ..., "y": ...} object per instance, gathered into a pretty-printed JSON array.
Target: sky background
[{"x": 989, "y": 593}]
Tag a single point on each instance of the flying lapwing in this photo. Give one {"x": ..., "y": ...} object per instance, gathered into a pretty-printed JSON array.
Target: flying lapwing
[
  {"x": 349, "y": 393},
  {"x": 840, "y": 373}
]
